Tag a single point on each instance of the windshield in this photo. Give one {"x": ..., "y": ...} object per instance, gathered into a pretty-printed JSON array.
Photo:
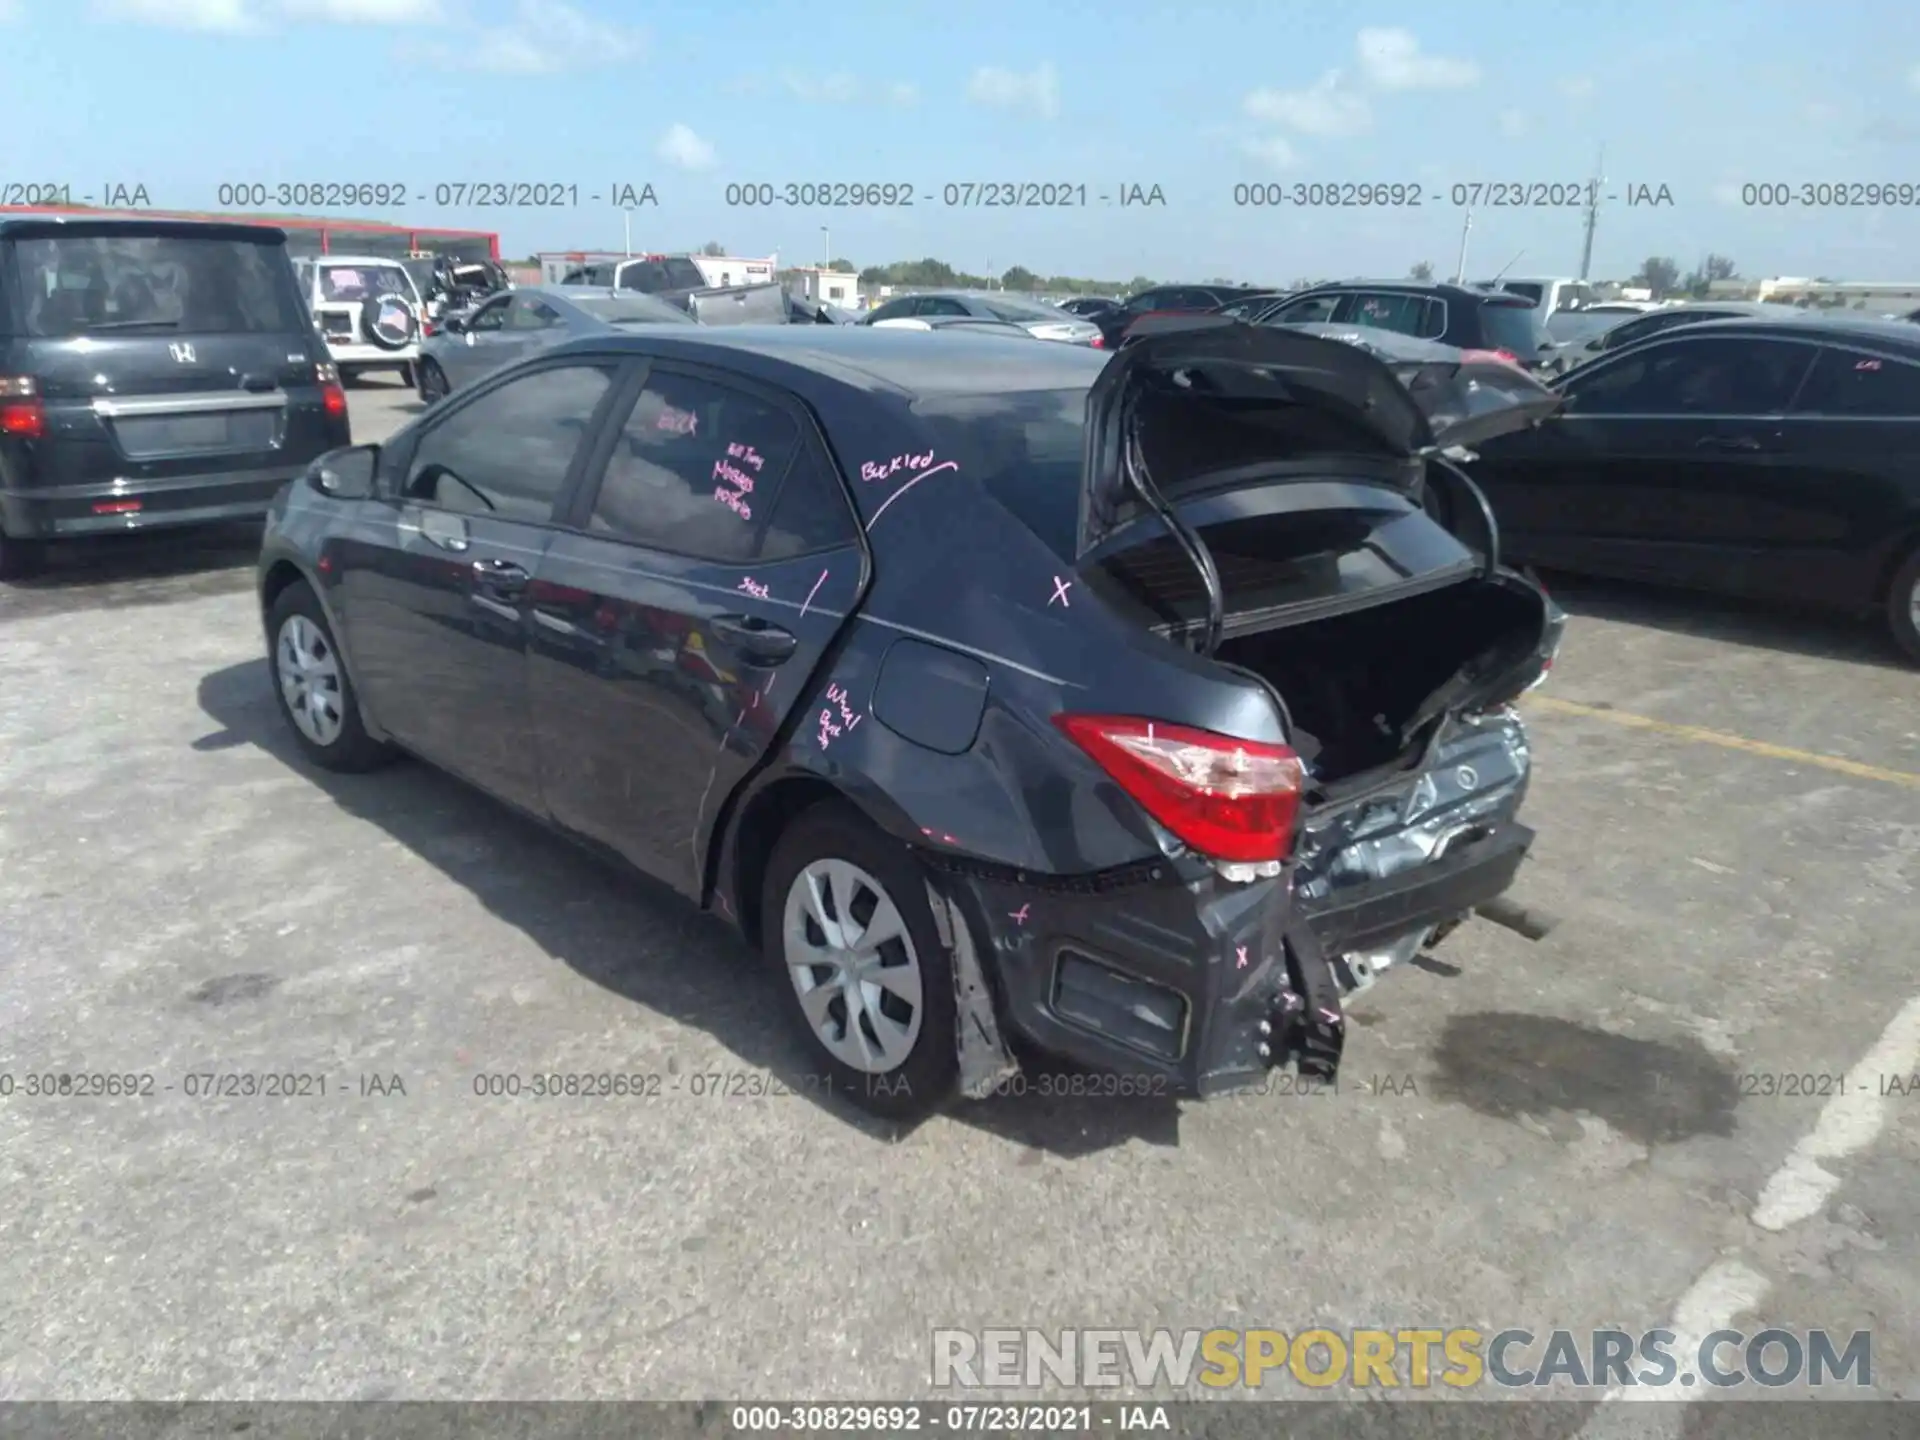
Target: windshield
[
  {"x": 1510, "y": 326},
  {"x": 343, "y": 284},
  {"x": 73, "y": 284}
]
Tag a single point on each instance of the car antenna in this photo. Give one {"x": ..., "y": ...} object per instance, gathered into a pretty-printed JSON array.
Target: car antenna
[{"x": 1508, "y": 266}]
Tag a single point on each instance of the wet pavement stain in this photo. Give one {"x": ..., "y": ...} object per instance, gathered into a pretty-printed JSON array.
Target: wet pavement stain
[
  {"x": 226, "y": 989},
  {"x": 1511, "y": 1066}
]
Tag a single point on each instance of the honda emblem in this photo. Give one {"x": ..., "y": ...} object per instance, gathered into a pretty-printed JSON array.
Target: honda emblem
[{"x": 182, "y": 352}]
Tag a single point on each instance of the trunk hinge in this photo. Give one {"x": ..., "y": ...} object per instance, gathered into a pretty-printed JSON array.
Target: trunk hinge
[{"x": 1133, "y": 466}]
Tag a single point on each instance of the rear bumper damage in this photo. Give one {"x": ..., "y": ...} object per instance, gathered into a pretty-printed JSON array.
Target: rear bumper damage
[{"x": 1195, "y": 985}]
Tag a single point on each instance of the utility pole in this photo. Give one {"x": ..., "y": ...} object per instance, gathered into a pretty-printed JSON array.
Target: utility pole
[
  {"x": 1593, "y": 212},
  {"x": 1460, "y": 270}
]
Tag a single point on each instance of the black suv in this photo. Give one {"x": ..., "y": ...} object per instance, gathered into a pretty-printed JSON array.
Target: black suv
[
  {"x": 152, "y": 373},
  {"x": 1458, "y": 315}
]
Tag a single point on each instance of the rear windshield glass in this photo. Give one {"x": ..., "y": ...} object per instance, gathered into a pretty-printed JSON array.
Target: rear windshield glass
[
  {"x": 1527, "y": 288},
  {"x": 83, "y": 284},
  {"x": 1025, "y": 448},
  {"x": 1511, "y": 327},
  {"x": 340, "y": 284}
]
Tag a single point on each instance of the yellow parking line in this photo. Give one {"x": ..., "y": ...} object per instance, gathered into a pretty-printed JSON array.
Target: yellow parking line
[{"x": 1721, "y": 738}]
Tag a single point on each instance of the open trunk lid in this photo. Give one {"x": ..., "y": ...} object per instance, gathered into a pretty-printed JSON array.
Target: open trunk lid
[{"x": 1300, "y": 400}]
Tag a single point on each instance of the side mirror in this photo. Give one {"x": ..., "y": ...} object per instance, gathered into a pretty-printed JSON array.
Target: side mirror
[
  {"x": 454, "y": 325},
  {"x": 346, "y": 474}
]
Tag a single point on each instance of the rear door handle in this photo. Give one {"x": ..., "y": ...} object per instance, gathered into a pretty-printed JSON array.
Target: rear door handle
[
  {"x": 756, "y": 641},
  {"x": 1729, "y": 444},
  {"x": 501, "y": 579}
]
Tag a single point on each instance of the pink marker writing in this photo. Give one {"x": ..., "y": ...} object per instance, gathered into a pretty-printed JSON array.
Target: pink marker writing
[
  {"x": 871, "y": 470},
  {"x": 754, "y": 588}
]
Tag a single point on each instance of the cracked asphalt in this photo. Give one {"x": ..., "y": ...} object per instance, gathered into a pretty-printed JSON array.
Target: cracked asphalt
[{"x": 1572, "y": 1132}]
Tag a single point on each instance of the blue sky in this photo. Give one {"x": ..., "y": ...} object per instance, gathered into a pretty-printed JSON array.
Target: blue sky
[{"x": 184, "y": 95}]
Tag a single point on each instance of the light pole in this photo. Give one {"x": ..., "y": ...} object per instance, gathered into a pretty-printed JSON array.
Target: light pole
[
  {"x": 626, "y": 229},
  {"x": 826, "y": 244}
]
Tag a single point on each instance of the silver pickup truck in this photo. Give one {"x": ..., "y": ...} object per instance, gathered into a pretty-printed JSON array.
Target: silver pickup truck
[{"x": 678, "y": 281}]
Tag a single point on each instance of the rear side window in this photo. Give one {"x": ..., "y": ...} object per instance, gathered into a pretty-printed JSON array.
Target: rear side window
[
  {"x": 86, "y": 284},
  {"x": 507, "y": 455},
  {"x": 1861, "y": 386},
  {"x": 1513, "y": 328},
  {"x": 1403, "y": 314},
  {"x": 705, "y": 470}
]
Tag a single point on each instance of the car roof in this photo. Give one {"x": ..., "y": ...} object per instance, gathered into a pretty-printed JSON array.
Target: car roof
[
  {"x": 1797, "y": 324},
  {"x": 1445, "y": 290},
  {"x": 35, "y": 227},
  {"x": 911, "y": 362}
]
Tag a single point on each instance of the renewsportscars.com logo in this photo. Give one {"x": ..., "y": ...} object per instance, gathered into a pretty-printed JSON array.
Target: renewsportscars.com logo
[{"x": 1415, "y": 1359}]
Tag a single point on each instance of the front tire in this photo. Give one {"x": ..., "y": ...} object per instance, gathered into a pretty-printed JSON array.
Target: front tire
[
  {"x": 433, "y": 383},
  {"x": 313, "y": 690},
  {"x": 846, "y": 925},
  {"x": 1903, "y": 607}
]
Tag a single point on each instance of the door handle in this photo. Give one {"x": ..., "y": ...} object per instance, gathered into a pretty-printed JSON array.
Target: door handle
[
  {"x": 757, "y": 641},
  {"x": 501, "y": 579},
  {"x": 1729, "y": 444}
]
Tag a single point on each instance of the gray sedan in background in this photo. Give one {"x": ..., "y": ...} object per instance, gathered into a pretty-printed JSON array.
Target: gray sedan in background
[
  {"x": 512, "y": 326},
  {"x": 1043, "y": 322}
]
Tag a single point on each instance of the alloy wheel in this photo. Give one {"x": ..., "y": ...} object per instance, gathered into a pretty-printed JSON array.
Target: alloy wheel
[
  {"x": 853, "y": 966},
  {"x": 309, "y": 675}
]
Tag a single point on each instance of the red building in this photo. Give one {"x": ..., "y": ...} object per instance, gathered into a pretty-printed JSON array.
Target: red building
[{"x": 316, "y": 234}]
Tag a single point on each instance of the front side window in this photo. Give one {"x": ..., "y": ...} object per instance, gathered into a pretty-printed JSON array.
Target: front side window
[
  {"x": 1717, "y": 377},
  {"x": 508, "y": 453},
  {"x": 1403, "y": 314}
]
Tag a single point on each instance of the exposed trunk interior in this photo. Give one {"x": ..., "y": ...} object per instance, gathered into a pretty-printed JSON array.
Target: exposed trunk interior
[{"x": 1355, "y": 684}]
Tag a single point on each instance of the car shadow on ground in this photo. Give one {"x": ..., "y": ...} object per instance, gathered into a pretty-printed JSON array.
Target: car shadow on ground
[
  {"x": 1728, "y": 620},
  {"x": 689, "y": 966},
  {"x": 142, "y": 567}
]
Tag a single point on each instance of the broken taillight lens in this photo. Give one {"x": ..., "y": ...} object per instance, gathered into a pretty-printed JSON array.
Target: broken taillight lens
[{"x": 1228, "y": 799}]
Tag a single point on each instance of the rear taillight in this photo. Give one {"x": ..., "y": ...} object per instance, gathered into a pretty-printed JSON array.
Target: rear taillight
[
  {"x": 1098, "y": 342},
  {"x": 22, "y": 412},
  {"x": 1229, "y": 799},
  {"x": 326, "y": 374},
  {"x": 334, "y": 398}
]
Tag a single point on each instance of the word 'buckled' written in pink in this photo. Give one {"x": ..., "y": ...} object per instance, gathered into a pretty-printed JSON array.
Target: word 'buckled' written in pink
[{"x": 881, "y": 469}]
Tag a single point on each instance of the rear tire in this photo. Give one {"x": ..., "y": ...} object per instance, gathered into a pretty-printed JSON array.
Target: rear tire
[
  {"x": 880, "y": 991},
  {"x": 1903, "y": 607},
  {"x": 349, "y": 375},
  {"x": 408, "y": 377},
  {"x": 21, "y": 559},
  {"x": 312, "y": 688}
]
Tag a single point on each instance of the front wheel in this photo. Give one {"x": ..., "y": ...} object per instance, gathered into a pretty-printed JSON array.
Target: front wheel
[
  {"x": 1903, "y": 607},
  {"x": 433, "y": 382},
  {"x": 846, "y": 922},
  {"x": 310, "y": 681}
]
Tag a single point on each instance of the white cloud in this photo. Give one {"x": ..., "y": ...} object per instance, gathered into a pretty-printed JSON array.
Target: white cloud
[
  {"x": 1579, "y": 87},
  {"x": 1913, "y": 78},
  {"x": 1513, "y": 124},
  {"x": 1274, "y": 151},
  {"x": 545, "y": 37},
  {"x": 234, "y": 16},
  {"x": 10, "y": 11},
  {"x": 1391, "y": 59},
  {"x": 682, "y": 148},
  {"x": 1326, "y": 108},
  {"x": 845, "y": 89},
  {"x": 367, "y": 12},
  {"x": 1037, "y": 91},
  {"x": 1727, "y": 192}
]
